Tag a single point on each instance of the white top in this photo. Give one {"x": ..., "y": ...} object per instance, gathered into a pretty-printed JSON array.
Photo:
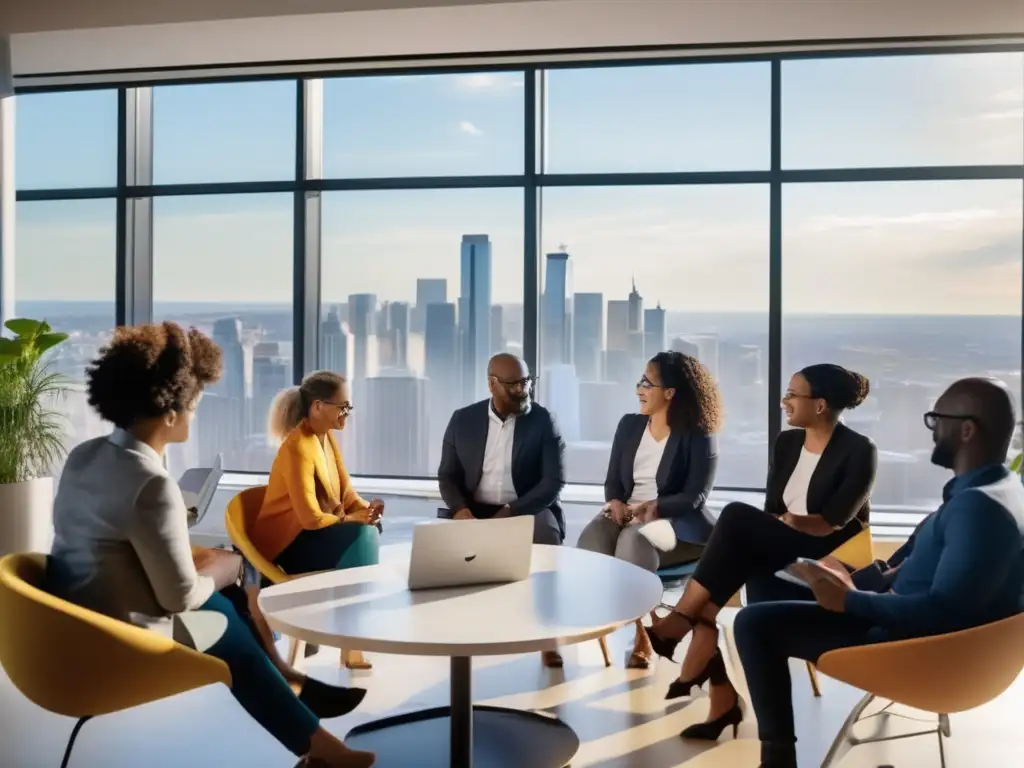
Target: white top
[
  {"x": 571, "y": 596},
  {"x": 794, "y": 495},
  {"x": 645, "y": 468},
  {"x": 496, "y": 477}
]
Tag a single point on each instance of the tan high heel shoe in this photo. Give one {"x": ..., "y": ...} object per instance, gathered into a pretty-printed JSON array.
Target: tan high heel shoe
[{"x": 355, "y": 660}]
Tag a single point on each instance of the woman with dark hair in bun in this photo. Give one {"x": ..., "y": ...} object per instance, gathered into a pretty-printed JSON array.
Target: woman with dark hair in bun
[
  {"x": 121, "y": 544},
  {"x": 816, "y": 499}
]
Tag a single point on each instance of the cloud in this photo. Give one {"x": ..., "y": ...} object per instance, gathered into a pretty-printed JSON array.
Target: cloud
[
  {"x": 953, "y": 218},
  {"x": 1003, "y": 114},
  {"x": 467, "y": 127},
  {"x": 486, "y": 81}
]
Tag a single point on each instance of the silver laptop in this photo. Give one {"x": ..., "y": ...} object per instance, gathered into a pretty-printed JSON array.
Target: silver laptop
[{"x": 469, "y": 552}]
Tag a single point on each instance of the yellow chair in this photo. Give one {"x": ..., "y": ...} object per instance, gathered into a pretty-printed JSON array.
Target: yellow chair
[
  {"x": 942, "y": 674},
  {"x": 238, "y": 519},
  {"x": 104, "y": 665}
]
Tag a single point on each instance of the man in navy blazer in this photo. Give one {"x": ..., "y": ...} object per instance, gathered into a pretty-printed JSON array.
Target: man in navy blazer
[{"x": 503, "y": 456}]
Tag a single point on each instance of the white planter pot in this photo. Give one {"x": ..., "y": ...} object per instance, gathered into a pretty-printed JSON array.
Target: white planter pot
[{"x": 26, "y": 516}]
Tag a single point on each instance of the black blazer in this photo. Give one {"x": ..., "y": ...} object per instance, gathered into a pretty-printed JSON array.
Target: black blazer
[
  {"x": 841, "y": 483},
  {"x": 685, "y": 476},
  {"x": 537, "y": 470}
]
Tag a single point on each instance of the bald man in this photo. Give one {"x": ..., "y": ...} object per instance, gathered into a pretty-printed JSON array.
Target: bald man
[
  {"x": 503, "y": 456},
  {"x": 963, "y": 567}
]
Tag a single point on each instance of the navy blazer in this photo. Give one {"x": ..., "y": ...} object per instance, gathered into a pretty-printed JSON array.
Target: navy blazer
[
  {"x": 537, "y": 471},
  {"x": 685, "y": 476}
]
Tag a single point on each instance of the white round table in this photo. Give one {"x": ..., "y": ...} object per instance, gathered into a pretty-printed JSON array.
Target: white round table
[{"x": 570, "y": 596}]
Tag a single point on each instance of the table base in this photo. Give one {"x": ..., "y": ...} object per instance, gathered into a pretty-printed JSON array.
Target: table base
[{"x": 502, "y": 738}]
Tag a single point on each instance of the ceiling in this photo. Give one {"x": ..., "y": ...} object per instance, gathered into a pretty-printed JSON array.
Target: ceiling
[{"x": 21, "y": 16}]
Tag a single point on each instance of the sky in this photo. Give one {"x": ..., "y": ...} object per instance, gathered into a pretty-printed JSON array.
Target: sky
[{"x": 878, "y": 248}]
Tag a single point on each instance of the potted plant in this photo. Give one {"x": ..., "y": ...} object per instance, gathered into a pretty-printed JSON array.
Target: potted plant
[{"x": 31, "y": 435}]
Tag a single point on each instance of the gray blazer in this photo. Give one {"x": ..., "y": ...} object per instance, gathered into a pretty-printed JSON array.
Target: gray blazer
[{"x": 121, "y": 543}]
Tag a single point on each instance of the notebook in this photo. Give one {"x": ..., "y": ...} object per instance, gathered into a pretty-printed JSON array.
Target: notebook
[{"x": 198, "y": 486}]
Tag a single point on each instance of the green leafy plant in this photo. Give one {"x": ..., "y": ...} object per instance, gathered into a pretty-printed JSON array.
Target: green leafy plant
[
  {"x": 1017, "y": 463},
  {"x": 31, "y": 428}
]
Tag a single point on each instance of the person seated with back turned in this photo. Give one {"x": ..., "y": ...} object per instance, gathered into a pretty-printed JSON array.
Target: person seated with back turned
[
  {"x": 121, "y": 543},
  {"x": 312, "y": 519},
  {"x": 962, "y": 568},
  {"x": 816, "y": 499},
  {"x": 502, "y": 457},
  {"x": 662, "y": 466}
]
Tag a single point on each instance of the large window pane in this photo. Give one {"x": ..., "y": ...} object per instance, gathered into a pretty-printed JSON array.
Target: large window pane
[
  {"x": 224, "y": 132},
  {"x": 65, "y": 274},
  {"x": 419, "y": 288},
  {"x": 692, "y": 117},
  {"x": 959, "y": 109},
  {"x": 224, "y": 265},
  {"x": 914, "y": 285},
  {"x": 436, "y": 125},
  {"x": 632, "y": 271},
  {"x": 66, "y": 140}
]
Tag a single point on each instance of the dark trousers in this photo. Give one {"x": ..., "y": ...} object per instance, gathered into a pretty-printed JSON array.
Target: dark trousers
[
  {"x": 546, "y": 529},
  {"x": 345, "y": 545},
  {"x": 747, "y": 541},
  {"x": 255, "y": 682},
  {"x": 768, "y": 635}
]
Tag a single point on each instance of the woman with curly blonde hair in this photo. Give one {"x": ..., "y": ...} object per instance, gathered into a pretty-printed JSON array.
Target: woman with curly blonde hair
[{"x": 662, "y": 467}]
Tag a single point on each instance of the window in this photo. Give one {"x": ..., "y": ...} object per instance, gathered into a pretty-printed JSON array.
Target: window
[
  {"x": 419, "y": 289},
  {"x": 874, "y": 111},
  {"x": 66, "y": 140},
  {"x": 632, "y": 271},
  {"x": 65, "y": 274},
  {"x": 224, "y": 265},
  {"x": 914, "y": 285},
  {"x": 424, "y": 125},
  {"x": 224, "y": 132},
  {"x": 690, "y": 117}
]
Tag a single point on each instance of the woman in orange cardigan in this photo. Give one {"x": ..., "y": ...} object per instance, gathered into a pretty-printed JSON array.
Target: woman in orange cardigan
[{"x": 312, "y": 519}]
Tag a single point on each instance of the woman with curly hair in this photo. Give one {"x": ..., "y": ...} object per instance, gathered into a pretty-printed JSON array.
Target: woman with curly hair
[
  {"x": 121, "y": 544},
  {"x": 816, "y": 499},
  {"x": 662, "y": 466}
]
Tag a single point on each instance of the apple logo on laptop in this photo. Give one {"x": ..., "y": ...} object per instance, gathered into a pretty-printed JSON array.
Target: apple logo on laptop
[{"x": 470, "y": 558}]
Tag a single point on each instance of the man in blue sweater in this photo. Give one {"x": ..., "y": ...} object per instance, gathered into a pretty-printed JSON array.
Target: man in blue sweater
[{"x": 963, "y": 567}]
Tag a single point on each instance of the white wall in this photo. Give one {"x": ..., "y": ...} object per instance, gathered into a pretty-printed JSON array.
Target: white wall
[{"x": 502, "y": 27}]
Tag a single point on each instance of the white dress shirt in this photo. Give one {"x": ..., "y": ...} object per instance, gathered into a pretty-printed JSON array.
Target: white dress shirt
[
  {"x": 794, "y": 496},
  {"x": 645, "y": 468},
  {"x": 496, "y": 475}
]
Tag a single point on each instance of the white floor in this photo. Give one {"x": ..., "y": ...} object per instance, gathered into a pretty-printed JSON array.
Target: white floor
[{"x": 619, "y": 715}]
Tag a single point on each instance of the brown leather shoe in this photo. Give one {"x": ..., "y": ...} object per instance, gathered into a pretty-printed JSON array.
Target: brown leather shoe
[{"x": 552, "y": 659}]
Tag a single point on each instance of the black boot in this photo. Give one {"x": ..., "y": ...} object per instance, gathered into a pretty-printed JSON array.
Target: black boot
[{"x": 778, "y": 755}]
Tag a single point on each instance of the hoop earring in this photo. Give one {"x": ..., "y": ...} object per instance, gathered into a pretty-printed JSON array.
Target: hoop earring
[{"x": 820, "y": 410}]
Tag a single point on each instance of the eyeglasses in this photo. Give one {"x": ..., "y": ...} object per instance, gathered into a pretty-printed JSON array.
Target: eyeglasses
[
  {"x": 521, "y": 385},
  {"x": 790, "y": 395},
  {"x": 343, "y": 408},
  {"x": 646, "y": 384},
  {"x": 931, "y": 419}
]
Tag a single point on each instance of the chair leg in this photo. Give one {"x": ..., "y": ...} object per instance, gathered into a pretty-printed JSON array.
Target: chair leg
[
  {"x": 71, "y": 742},
  {"x": 844, "y": 741},
  {"x": 813, "y": 674},
  {"x": 603, "y": 642},
  {"x": 295, "y": 651},
  {"x": 354, "y": 660}
]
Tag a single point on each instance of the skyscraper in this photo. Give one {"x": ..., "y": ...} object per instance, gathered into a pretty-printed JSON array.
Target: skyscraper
[
  {"x": 560, "y": 393},
  {"x": 497, "y": 329},
  {"x": 655, "y": 338},
  {"x": 475, "y": 313},
  {"x": 362, "y": 310},
  {"x": 444, "y": 384},
  {"x": 398, "y": 333},
  {"x": 617, "y": 337},
  {"x": 223, "y": 420},
  {"x": 556, "y": 322},
  {"x": 396, "y": 439},
  {"x": 271, "y": 373},
  {"x": 587, "y": 335},
  {"x": 636, "y": 324},
  {"x": 337, "y": 348},
  {"x": 429, "y": 290}
]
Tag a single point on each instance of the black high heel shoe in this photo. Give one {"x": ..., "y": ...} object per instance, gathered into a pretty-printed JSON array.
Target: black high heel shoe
[
  {"x": 666, "y": 646},
  {"x": 328, "y": 701},
  {"x": 711, "y": 730}
]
